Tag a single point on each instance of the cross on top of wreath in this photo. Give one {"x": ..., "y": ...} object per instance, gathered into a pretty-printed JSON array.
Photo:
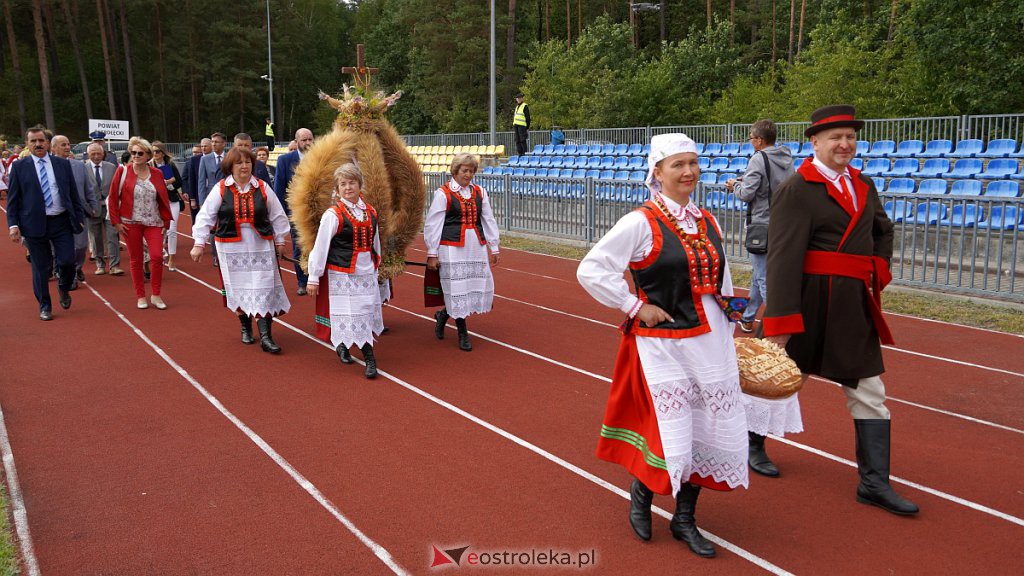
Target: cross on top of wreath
[{"x": 360, "y": 73}]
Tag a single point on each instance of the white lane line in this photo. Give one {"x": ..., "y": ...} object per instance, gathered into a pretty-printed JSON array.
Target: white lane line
[
  {"x": 28, "y": 553},
  {"x": 940, "y": 494},
  {"x": 301, "y": 480},
  {"x": 749, "y": 556}
]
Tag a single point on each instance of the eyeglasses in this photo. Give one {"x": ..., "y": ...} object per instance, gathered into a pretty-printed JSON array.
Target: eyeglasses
[{"x": 138, "y": 153}]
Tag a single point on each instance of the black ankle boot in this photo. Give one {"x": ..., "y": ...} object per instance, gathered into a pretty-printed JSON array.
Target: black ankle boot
[
  {"x": 464, "y": 343},
  {"x": 266, "y": 339},
  {"x": 873, "y": 466},
  {"x": 440, "y": 318},
  {"x": 370, "y": 360},
  {"x": 246, "y": 322},
  {"x": 758, "y": 459},
  {"x": 684, "y": 525},
  {"x": 640, "y": 498},
  {"x": 343, "y": 354}
]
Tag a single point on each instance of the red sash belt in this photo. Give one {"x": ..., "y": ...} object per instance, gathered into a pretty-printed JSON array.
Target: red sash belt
[{"x": 872, "y": 270}]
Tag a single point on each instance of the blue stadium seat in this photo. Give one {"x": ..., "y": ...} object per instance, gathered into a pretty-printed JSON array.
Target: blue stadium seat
[
  {"x": 966, "y": 216},
  {"x": 532, "y": 161},
  {"x": 879, "y": 183},
  {"x": 646, "y": 150},
  {"x": 1018, "y": 175},
  {"x": 898, "y": 210},
  {"x": 908, "y": 149},
  {"x": 747, "y": 149},
  {"x": 930, "y": 213},
  {"x": 965, "y": 168},
  {"x": 635, "y": 149},
  {"x": 607, "y": 175},
  {"x": 876, "y": 167},
  {"x": 719, "y": 164},
  {"x": 530, "y": 172},
  {"x": 542, "y": 172},
  {"x": 571, "y": 150},
  {"x": 881, "y": 148},
  {"x": 903, "y": 167},
  {"x": 901, "y": 186},
  {"x": 937, "y": 149},
  {"x": 636, "y": 163},
  {"x": 579, "y": 173},
  {"x": 857, "y": 163},
  {"x": 712, "y": 149},
  {"x": 725, "y": 176},
  {"x": 794, "y": 148},
  {"x": 507, "y": 170},
  {"x": 999, "y": 169},
  {"x": 703, "y": 162},
  {"x": 709, "y": 178},
  {"x": 1019, "y": 153},
  {"x": 731, "y": 149},
  {"x": 806, "y": 150},
  {"x": 638, "y": 176},
  {"x": 621, "y": 149},
  {"x": 797, "y": 162},
  {"x": 1000, "y": 148},
  {"x": 1002, "y": 218},
  {"x": 935, "y": 186},
  {"x": 862, "y": 147},
  {"x": 607, "y": 150},
  {"x": 593, "y": 162},
  {"x": 538, "y": 149},
  {"x": 966, "y": 188},
  {"x": 738, "y": 164},
  {"x": 548, "y": 149},
  {"x": 622, "y": 163},
  {"x": 932, "y": 168},
  {"x": 700, "y": 148},
  {"x": 1003, "y": 189},
  {"x": 607, "y": 163},
  {"x": 593, "y": 173},
  {"x": 547, "y": 161},
  {"x": 967, "y": 148},
  {"x": 734, "y": 203},
  {"x": 565, "y": 173},
  {"x": 487, "y": 170},
  {"x": 513, "y": 160},
  {"x": 714, "y": 199},
  {"x": 622, "y": 174},
  {"x": 559, "y": 150},
  {"x": 583, "y": 149}
]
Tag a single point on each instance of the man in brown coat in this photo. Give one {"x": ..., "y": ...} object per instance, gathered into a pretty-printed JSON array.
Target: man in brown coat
[{"x": 830, "y": 243}]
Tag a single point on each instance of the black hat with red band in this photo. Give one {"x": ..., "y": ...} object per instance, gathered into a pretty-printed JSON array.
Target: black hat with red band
[{"x": 835, "y": 116}]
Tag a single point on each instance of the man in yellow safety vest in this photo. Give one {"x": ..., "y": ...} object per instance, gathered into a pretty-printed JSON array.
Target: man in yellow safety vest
[
  {"x": 270, "y": 134},
  {"x": 521, "y": 124}
]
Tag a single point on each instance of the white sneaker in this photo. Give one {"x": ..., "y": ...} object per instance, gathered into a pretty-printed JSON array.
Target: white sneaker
[{"x": 142, "y": 304}]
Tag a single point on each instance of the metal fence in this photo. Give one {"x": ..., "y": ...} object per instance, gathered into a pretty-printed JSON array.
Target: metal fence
[
  {"x": 960, "y": 244},
  {"x": 984, "y": 126}
]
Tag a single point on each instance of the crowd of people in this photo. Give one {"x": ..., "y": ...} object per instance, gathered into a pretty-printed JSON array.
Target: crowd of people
[{"x": 676, "y": 419}]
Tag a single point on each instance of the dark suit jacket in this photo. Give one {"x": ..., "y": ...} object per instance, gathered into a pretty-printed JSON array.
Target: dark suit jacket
[
  {"x": 262, "y": 173},
  {"x": 26, "y": 207},
  {"x": 286, "y": 164},
  {"x": 190, "y": 177}
]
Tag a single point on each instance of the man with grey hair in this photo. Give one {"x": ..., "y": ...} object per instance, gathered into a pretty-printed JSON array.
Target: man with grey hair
[
  {"x": 106, "y": 246},
  {"x": 243, "y": 140},
  {"x": 61, "y": 146},
  {"x": 286, "y": 164}
]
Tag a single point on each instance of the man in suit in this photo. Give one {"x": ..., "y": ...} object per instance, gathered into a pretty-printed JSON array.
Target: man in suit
[
  {"x": 44, "y": 209},
  {"x": 102, "y": 234},
  {"x": 191, "y": 175},
  {"x": 210, "y": 174},
  {"x": 100, "y": 138},
  {"x": 286, "y": 164},
  {"x": 243, "y": 140},
  {"x": 60, "y": 146}
]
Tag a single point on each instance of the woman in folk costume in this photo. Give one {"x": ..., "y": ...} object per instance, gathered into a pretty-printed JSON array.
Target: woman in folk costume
[
  {"x": 346, "y": 256},
  {"x": 462, "y": 237},
  {"x": 675, "y": 416},
  {"x": 249, "y": 225}
]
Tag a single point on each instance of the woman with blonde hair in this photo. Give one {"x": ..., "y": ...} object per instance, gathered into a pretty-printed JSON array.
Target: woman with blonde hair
[
  {"x": 163, "y": 160},
  {"x": 345, "y": 257},
  {"x": 461, "y": 235},
  {"x": 243, "y": 215},
  {"x": 139, "y": 208}
]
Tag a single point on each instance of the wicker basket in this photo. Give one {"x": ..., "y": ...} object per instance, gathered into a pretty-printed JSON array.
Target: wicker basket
[{"x": 765, "y": 369}]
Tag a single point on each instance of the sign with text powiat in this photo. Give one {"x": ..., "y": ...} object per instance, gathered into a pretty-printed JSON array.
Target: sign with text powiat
[{"x": 115, "y": 129}]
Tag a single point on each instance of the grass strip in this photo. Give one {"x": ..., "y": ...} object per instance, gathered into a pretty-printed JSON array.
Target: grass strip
[
  {"x": 8, "y": 551},
  {"x": 913, "y": 302}
]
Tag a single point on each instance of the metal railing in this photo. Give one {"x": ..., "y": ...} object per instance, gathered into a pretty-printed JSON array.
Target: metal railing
[{"x": 963, "y": 244}]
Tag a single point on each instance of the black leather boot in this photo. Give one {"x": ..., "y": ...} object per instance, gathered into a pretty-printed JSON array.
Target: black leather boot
[
  {"x": 246, "y": 322},
  {"x": 370, "y": 360},
  {"x": 684, "y": 525},
  {"x": 873, "y": 466},
  {"x": 440, "y": 318},
  {"x": 640, "y": 498},
  {"x": 758, "y": 459},
  {"x": 266, "y": 339},
  {"x": 464, "y": 343},
  {"x": 343, "y": 354}
]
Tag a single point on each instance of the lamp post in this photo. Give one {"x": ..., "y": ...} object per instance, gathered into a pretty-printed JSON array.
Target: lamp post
[
  {"x": 269, "y": 76},
  {"x": 635, "y": 8},
  {"x": 494, "y": 98}
]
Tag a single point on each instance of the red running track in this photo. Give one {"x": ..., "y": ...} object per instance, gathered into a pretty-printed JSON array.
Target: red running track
[{"x": 127, "y": 468}]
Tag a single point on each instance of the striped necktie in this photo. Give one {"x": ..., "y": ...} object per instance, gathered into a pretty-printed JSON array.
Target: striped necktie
[{"x": 44, "y": 182}]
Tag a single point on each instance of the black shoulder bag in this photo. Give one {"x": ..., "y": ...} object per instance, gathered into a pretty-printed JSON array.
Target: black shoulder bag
[{"x": 757, "y": 233}]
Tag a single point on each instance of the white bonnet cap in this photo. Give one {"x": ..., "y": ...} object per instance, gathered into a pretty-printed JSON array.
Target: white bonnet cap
[{"x": 663, "y": 146}]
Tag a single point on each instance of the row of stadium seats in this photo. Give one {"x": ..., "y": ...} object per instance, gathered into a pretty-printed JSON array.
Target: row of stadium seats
[
  {"x": 1000, "y": 217},
  {"x": 998, "y": 188},
  {"x": 996, "y": 169},
  {"x": 498, "y": 150},
  {"x": 968, "y": 148}
]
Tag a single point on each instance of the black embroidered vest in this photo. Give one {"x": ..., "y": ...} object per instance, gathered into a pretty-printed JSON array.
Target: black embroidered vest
[
  {"x": 463, "y": 214},
  {"x": 353, "y": 236},
  {"x": 237, "y": 209}
]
